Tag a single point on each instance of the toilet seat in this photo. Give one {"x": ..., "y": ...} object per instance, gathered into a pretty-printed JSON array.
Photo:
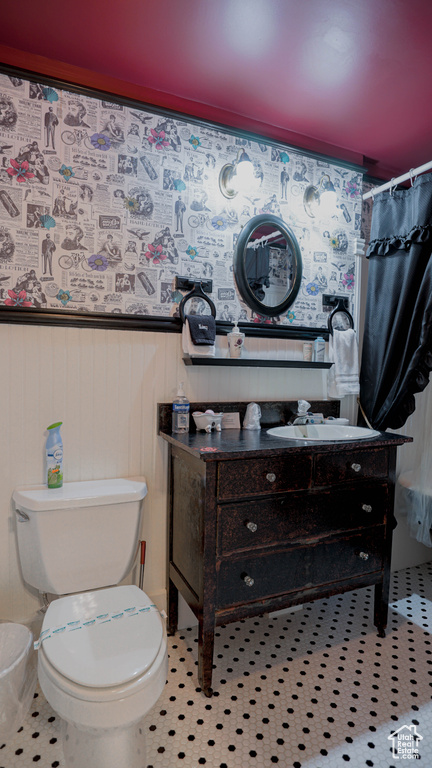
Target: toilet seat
[{"x": 103, "y": 655}]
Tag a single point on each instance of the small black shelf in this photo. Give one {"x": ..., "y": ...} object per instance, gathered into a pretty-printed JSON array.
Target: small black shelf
[{"x": 245, "y": 362}]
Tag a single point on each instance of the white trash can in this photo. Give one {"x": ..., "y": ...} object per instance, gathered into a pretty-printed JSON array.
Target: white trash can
[{"x": 18, "y": 675}]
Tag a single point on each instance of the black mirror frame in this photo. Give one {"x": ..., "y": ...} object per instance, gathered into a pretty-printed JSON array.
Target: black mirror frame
[{"x": 240, "y": 269}]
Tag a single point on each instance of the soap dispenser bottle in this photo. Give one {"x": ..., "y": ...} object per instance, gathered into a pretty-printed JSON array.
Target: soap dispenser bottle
[
  {"x": 235, "y": 341},
  {"x": 319, "y": 349},
  {"x": 180, "y": 412},
  {"x": 54, "y": 456}
]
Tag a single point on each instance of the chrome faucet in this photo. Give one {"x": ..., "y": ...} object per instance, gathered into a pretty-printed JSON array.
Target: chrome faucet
[
  {"x": 303, "y": 419},
  {"x": 305, "y": 416}
]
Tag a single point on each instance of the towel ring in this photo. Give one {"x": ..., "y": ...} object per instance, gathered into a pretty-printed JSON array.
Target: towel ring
[
  {"x": 339, "y": 308},
  {"x": 196, "y": 292}
]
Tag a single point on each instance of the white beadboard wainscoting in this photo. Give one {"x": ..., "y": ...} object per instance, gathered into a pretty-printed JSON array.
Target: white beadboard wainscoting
[{"x": 105, "y": 385}]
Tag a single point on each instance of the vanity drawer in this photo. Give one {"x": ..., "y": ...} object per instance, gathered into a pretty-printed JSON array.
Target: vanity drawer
[
  {"x": 243, "y": 580},
  {"x": 299, "y": 517},
  {"x": 240, "y": 478},
  {"x": 349, "y": 465}
]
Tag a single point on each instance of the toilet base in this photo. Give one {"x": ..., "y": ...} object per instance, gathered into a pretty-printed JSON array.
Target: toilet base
[{"x": 104, "y": 748}]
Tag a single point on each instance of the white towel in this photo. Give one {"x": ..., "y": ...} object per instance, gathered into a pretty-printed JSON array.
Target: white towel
[
  {"x": 343, "y": 377},
  {"x": 195, "y": 350}
]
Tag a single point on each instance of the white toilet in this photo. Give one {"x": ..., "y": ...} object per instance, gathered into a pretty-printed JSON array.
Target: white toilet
[{"x": 102, "y": 660}]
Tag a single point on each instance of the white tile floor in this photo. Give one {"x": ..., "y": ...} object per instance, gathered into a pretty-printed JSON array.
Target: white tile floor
[{"x": 315, "y": 689}]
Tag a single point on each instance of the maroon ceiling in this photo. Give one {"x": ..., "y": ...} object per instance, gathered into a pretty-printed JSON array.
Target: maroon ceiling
[{"x": 352, "y": 77}]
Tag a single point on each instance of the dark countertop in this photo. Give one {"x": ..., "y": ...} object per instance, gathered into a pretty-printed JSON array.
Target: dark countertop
[{"x": 242, "y": 443}]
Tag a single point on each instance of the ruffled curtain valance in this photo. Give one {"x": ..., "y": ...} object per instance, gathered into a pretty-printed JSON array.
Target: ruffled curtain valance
[
  {"x": 397, "y": 346},
  {"x": 385, "y": 245}
]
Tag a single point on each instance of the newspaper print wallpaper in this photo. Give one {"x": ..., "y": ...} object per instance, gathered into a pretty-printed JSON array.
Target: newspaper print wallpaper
[{"x": 102, "y": 205}]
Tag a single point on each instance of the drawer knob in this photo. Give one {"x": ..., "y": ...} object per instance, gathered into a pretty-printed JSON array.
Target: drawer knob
[
  {"x": 252, "y": 527},
  {"x": 364, "y": 556},
  {"x": 271, "y": 477},
  {"x": 356, "y": 467},
  {"x": 248, "y": 580},
  {"x": 366, "y": 508}
]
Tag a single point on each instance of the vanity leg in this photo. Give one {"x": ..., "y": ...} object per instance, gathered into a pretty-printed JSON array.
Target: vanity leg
[
  {"x": 380, "y": 609},
  {"x": 172, "y": 608},
  {"x": 205, "y": 659}
]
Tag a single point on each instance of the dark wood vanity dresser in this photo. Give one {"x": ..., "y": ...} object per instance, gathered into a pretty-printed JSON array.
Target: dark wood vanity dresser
[{"x": 259, "y": 523}]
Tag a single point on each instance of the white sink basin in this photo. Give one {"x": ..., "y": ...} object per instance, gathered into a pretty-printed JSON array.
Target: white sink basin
[{"x": 322, "y": 432}]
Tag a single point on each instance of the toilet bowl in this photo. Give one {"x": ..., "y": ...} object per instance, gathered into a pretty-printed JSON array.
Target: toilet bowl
[
  {"x": 102, "y": 665},
  {"x": 102, "y": 658}
]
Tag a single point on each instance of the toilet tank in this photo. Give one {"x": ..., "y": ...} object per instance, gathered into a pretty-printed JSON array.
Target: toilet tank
[{"x": 81, "y": 536}]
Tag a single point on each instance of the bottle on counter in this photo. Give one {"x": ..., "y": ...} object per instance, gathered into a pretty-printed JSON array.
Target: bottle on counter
[
  {"x": 180, "y": 412},
  {"x": 319, "y": 349},
  {"x": 54, "y": 456},
  {"x": 308, "y": 351}
]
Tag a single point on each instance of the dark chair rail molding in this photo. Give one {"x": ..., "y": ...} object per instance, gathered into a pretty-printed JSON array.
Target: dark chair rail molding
[
  {"x": 139, "y": 323},
  {"x": 118, "y": 322}
]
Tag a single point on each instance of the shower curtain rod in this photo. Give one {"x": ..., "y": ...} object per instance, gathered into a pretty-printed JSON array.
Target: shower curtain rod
[
  {"x": 265, "y": 239},
  {"x": 389, "y": 184}
]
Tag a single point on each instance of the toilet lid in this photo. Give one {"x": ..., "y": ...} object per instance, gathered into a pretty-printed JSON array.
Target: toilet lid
[{"x": 109, "y": 653}]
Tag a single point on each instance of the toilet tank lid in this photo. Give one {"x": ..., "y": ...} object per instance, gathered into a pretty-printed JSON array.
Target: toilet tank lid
[{"x": 85, "y": 493}]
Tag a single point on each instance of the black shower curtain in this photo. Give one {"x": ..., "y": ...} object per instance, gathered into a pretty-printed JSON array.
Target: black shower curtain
[{"x": 397, "y": 345}]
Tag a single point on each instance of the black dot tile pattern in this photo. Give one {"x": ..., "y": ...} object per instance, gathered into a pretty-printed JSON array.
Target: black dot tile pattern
[{"x": 316, "y": 688}]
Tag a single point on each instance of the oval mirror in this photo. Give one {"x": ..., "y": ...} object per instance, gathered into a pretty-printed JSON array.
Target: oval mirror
[{"x": 268, "y": 265}]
